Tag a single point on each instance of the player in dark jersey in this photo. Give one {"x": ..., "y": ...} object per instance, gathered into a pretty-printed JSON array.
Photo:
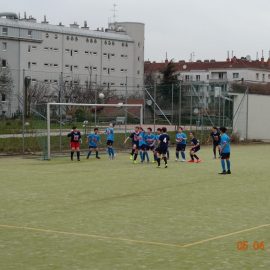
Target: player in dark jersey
[
  {"x": 156, "y": 150},
  {"x": 75, "y": 139},
  {"x": 134, "y": 136},
  {"x": 215, "y": 136},
  {"x": 163, "y": 140},
  {"x": 195, "y": 147}
]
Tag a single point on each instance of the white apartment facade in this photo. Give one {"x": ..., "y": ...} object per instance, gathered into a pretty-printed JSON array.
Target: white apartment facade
[{"x": 111, "y": 58}]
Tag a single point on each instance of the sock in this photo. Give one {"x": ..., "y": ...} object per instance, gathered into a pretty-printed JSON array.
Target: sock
[
  {"x": 183, "y": 155},
  {"x": 228, "y": 164},
  {"x": 96, "y": 153},
  {"x": 71, "y": 154},
  {"x": 141, "y": 155},
  {"x": 132, "y": 152},
  {"x": 223, "y": 165},
  {"x": 177, "y": 154},
  {"x": 112, "y": 152},
  {"x": 158, "y": 161},
  {"x": 147, "y": 156},
  {"x": 215, "y": 151},
  {"x": 191, "y": 156},
  {"x": 78, "y": 155},
  {"x": 165, "y": 160},
  {"x": 89, "y": 154},
  {"x": 109, "y": 151},
  {"x": 168, "y": 154},
  {"x": 135, "y": 156},
  {"x": 196, "y": 157},
  {"x": 155, "y": 157}
]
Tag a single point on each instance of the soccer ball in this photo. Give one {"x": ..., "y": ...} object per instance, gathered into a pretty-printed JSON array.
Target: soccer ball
[{"x": 101, "y": 95}]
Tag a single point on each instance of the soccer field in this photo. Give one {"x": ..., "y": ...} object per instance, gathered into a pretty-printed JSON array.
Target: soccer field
[{"x": 102, "y": 214}]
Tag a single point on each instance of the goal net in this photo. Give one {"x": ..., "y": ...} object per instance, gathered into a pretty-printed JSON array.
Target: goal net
[{"x": 61, "y": 117}]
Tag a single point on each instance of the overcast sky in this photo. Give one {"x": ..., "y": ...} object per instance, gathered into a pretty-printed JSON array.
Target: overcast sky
[{"x": 209, "y": 28}]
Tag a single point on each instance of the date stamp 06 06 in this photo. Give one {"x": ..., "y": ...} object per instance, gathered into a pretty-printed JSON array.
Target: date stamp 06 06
[{"x": 245, "y": 245}]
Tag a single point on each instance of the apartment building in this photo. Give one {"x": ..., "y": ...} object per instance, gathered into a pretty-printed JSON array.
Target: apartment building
[{"x": 111, "y": 57}]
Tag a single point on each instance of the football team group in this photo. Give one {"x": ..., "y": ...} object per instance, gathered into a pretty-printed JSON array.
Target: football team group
[{"x": 158, "y": 143}]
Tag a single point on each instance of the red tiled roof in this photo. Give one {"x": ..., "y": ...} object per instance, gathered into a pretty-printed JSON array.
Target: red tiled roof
[{"x": 234, "y": 63}]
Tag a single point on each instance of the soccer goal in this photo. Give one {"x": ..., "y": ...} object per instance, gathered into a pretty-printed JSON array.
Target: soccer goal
[{"x": 59, "y": 115}]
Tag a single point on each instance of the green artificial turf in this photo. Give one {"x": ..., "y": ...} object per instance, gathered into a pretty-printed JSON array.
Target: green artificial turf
[{"x": 63, "y": 211}]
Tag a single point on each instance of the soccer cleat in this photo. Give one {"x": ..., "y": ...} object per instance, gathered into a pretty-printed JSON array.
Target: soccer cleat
[
  {"x": 176, "y": 159},
  {"x": 135, "y": 162},
  {"x": 78, "y": 160},
  {"x": 166, "y": 165},
  {"x": 183, "y": 160},
  {"x": 191, "y": 161},
  {"x": 229, "y": 172},
  {"x": 97, "y": 157},
  {"x": 158, "y": 166},
  {"x": 130, "y": 157},
  {"x": 199, "y": 160},
  {"x": 223, "y": 173},
  {"x": 154, "y": 161}
]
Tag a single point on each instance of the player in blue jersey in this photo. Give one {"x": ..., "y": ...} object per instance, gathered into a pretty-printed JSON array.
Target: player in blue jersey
[
  {"x": 150, "y": 140},
  {"x": 163, "y": 145},
  {"x": 93, "y": 140},
  {"x": 110, "y": 139},
  {"x": 195, "y": 147},
  {"x": 142, "y": 145},
  {"x": 181, "y": 143},
  {"x": 225, "y": 151},
  {"x": 134, "y": 136}
]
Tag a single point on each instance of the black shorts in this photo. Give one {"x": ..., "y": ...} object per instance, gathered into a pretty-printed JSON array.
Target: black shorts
[
  {"x": 92, "y": 147},
  {"x": 225, "y": 155},
  {"x": 150, "y": 147},
  {"x": 215, "y": 143},
  {"x": 195, "y": 149},
  {"x": 181, "y": 147},
  {"x": 109, "y": 143},
  {"x": 143, "y": 147},
  {"x": 162, "y": 150}
]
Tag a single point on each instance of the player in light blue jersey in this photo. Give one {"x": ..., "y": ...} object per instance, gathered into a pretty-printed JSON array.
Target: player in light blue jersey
[
  {"x": 110, "y": 139},
  {"x": 181, "y": 143},
  {"x": 225, "y": 151},
  {"x": 142, "y": 144},
  {"x": 150, "y": 140},
  {"x": 93, "y": 140}
]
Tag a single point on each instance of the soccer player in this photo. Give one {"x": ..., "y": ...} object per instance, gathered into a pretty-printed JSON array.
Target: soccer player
[
  {"x": 93, "y": 140},
  {"x": 134, "y": 136},
  {"x": 195, "y": 147},
  {"x": 110, "y": 139},
  {"x": 157, "y": 146},
  {"x": 215, "y": 135},
  {"x": 75, "y": 139},
  {"x": 225, "y": 150},
  {"x": 181, "y": 143},
  {"x": 142, "y": 145},
  {"x": 163, "y": 140},
  {"x": 150, "y": 140}
]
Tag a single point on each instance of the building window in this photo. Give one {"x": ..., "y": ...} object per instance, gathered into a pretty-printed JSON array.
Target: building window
[
  {"x": 66, "y": 66},
  {"x": 257, "y": 76},
  {"x": 29, "y": 48},
  {"x": 263, "y": 77},
  {"x": 112, "y": 69},
  {"x": 138, "y": 72},
  {"x": 91, "y": 40},
  {"x": 67, "y": 50},
  {"x": 75, "y": 51},
  {"x": 29, "y": 65},
  {"x": 46, "y": 48},
  {"x": 55, "y": 65},
  {"x": 34, "y": 47},
  {"x": 72, "y": 38},
  {"x": 86, "y": 67},
  {"x": 113, "y": 43},
  {"x": 76, "y": 39},
  {"x": 105, "y": 42},
  {"x": 95, "y": 41},
  {"x": 235, "y": 75},
  {"x": 5, "y": 31},
  {"x": 3, "y": 98},
  {"x": 29, "y": 33},
  {"x": 104, "y": 68},
  {"x": 104, "y": 54},
  {"x": 4, "y": 46},
  {"x": 94, "y": 68},
  {"x": 139, "y": 44},
  {"x": 76, "y": 66},
  {"x": 56, "y": 36},
  {"x": 198, "y": 78},
  {"x": 112, "y": 54},
  {"x": 187, "y": 78},
  {"x": 122, "y": 70},
  {"x": 86, "y": 52},
  {"x": 94, "y": 53},
  {"x": 34, "y": 63},
  {"x": 87, "y": 40},
  {"x": 138, "y": 58},
  {"x": 126, "y": 44},
  {"x": 46, "y": 64},
  {"x": 207, "y": 77},
  {"x": 4, "y": 63},
  {"x": 47, "y": 35},
  {"x": 67, "y": 37},
  {"x": 56, "y": 49}
]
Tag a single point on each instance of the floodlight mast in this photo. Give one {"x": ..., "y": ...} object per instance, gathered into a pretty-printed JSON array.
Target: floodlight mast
[{"x": 83, "y": 105}]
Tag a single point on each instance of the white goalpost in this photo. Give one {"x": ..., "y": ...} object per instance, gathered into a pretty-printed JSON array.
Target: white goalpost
[{"x": 118, "y": 105}]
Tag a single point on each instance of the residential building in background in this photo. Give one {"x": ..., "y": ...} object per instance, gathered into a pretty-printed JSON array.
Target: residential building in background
[{"x": 112, "y": 58}]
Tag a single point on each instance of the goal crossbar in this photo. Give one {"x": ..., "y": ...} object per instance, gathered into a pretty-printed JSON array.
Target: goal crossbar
[{"x": 119, "y": 105}]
